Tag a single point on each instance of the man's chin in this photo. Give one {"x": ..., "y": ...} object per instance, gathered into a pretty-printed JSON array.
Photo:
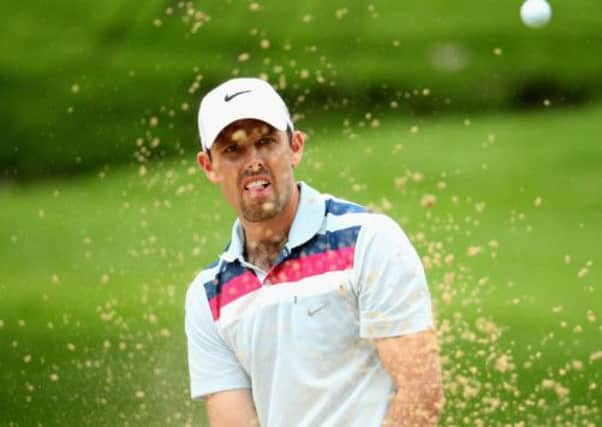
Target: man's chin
[
  {"x": 260, "y": 211},
  {"x": 260, "y": 216}
]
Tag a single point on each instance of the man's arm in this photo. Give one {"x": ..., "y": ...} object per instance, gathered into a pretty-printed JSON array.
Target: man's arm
[
  {"x": 215, "y": 372},
  {"x": 232, "y": 408},
  {"x": 413, "y": 363}
]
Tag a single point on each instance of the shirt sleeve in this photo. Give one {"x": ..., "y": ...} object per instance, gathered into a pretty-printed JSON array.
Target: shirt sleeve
[
  {"x": 389, "y": 279},
  {"x": 212, "y": 364}
]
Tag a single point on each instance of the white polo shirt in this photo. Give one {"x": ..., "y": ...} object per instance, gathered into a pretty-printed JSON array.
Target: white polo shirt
[{"x": 299, "y": 336}]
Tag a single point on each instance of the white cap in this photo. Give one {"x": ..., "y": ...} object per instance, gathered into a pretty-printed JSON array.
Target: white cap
[{"x": 240, "y": 98}]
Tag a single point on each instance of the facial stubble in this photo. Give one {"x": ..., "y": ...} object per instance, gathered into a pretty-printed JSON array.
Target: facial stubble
[{"x": 263, "y": 210}]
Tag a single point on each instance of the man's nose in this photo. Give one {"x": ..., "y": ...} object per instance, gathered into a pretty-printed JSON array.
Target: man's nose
[
  {"x": 256, "y": 161},
  {"x": 255, "y": 167}
]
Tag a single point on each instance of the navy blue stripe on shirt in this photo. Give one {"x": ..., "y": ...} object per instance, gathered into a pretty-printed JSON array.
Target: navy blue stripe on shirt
[
  {"x": 329, "y": 241},
  {"x": 232, "y": 270},
  {"x": 338, "y": 207}
]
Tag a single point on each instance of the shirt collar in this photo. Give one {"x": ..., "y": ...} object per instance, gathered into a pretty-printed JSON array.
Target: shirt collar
[{"x": 307, "y": 222}]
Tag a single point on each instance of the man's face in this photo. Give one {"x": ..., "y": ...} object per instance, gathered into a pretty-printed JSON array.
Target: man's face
[{"x": 253, "y": 164}]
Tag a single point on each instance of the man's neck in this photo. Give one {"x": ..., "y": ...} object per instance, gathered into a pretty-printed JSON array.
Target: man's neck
[{"x": 264, "y": 240}]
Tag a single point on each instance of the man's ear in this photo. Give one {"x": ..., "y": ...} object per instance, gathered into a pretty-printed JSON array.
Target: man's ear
[
  {"x": 297, "y": 145},
  {"x": 206, "y": 164}
]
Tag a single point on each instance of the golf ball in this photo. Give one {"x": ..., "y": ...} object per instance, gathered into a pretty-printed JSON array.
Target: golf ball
[{"x": 535, "y": 13}]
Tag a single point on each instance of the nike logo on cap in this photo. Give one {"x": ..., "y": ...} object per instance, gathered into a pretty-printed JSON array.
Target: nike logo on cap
[{"x": 229, "y": 97}]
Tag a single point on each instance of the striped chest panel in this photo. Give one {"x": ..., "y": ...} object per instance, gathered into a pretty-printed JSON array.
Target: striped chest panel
[{"x": 327, "y": 252}]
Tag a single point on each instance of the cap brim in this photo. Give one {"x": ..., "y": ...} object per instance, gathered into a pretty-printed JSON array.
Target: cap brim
[{"x": 277, "y": 123}]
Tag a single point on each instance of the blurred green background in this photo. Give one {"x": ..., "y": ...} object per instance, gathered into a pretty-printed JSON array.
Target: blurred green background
[
  {"x": 78, "y": 77},
  {"x": 479, "y": 135}
]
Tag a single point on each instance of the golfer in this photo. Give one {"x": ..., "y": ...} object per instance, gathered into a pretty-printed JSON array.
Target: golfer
[{"x": 317, "y": 313}]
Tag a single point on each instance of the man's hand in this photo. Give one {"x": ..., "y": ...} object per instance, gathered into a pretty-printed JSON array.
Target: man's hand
[
  {"x": 413, "y": 363},
  {"x": 232, "y": 408}
]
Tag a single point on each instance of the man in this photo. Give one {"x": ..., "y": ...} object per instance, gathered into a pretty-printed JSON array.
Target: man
[{"x": 318, "y": 312}]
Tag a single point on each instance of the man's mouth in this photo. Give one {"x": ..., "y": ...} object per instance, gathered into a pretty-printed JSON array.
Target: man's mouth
[{"x": 256, "y": 185}]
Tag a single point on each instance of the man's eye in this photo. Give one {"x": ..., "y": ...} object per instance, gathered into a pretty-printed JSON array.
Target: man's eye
[
  {"x": 231, "y": 148},
  {"x": 265, "y": 141}
]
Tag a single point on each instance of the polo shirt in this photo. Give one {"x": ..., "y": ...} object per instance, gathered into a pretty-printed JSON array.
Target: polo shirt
[{"x": 300, "y": 335}]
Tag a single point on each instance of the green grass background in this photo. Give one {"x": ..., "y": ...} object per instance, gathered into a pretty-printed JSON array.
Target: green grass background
[{"x": 123, "y": 249}]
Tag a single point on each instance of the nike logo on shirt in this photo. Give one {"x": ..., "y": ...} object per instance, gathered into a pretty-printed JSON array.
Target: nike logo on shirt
[
  {"x": 310, "y": 313},
  {"x": 228, "y": 98}
]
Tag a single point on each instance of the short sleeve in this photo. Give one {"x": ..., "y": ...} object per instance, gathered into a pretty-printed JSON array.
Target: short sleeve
[
  {"x": 389, "y": 279},
  {"x": 212, "y": 364}
]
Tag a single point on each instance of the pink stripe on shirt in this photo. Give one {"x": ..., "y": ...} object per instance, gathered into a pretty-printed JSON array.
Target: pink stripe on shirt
[
  {"x": 289, "y": 271},
  {"x": 232, "y": 290},
  {"x": 296, "y": 269}
]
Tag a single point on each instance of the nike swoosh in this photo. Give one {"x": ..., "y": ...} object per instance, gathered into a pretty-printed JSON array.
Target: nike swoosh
[
  {"x": 228, "y": 98},
  {"x": 310, "y": 313}
]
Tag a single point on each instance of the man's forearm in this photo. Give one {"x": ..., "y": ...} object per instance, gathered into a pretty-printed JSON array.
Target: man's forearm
[
  {"x": 414, "y": 366},
  {"x": 417, "y": 410}
]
